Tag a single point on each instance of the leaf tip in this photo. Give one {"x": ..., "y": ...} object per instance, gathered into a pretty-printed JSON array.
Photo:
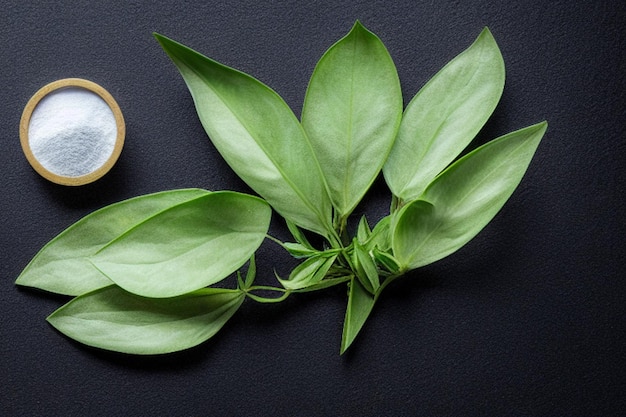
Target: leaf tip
[
  {"x": 486, "y": 37},
  {"x": 359, "y": 27},
  {"x": 158, "y": 37},
  {"x": 540, "y": 127}
]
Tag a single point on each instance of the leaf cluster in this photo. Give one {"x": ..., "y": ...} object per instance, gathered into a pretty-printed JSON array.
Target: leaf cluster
[{"x": 143, "y": 270}]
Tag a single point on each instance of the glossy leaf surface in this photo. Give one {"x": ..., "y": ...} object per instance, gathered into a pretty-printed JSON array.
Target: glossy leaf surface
[
  {"x": 463, "y": 199},
  {"x": 188, "y": 246},
  {"x": 360, "y": 304},
  {"x": 444, "y": 116},
  {"x": 258, "y": 135},
  {"x": 62, "y": 266},
  {"x": 351, "y": 114},
  {"x": 113, "y": 319}
]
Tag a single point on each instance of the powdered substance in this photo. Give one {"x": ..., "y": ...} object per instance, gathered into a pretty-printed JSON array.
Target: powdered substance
[{"x": 72, "y": 132}]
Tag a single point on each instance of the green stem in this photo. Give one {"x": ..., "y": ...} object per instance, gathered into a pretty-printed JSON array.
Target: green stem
[
  {"x": 273, "y": 239},
  {"x": 386, "y": 282},
  {"x": 265, "y": 300},
  {"x": 396, "y": 204}
]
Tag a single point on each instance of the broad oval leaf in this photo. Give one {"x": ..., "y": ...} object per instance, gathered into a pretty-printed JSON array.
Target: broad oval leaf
[
  {"x": 113, "y": 319},
  {"x": 351, "y": 114},
  {"x": 259, "y": 137},
  {"x": 463, "y": 199},
  {"x": 188, "y": 246},
  {"x": 62, "y": 266},
  {"x": 444, "y": 116}
]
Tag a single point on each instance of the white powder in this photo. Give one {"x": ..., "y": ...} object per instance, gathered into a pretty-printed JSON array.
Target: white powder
[{"x": 72, "y": 132}]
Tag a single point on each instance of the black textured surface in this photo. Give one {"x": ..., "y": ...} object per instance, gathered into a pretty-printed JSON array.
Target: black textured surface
[{"x": 527, "y": 319}]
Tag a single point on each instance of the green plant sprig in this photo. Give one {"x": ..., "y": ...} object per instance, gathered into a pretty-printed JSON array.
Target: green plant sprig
[{"x": 143, "y": 271}]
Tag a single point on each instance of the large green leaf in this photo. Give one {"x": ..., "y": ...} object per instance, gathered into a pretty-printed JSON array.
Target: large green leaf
[
  {"x": 113, "y": 319},
  {"x": 360, "y": 305},
  {"x": 188, "y": 246},
  {"x": 62, "y": 266},
  {"x": 463, "y": 199},
  {"x": 258, "y": 135},
  {"x": 351, "y": 114},
  {"x": 444, "y": 116}
]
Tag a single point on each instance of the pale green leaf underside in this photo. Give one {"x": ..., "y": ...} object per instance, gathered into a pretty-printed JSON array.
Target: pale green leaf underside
[
  {"x": 188, "y": 246},
  {"x": 258, "y": 135},
  {"x": 463, "y": 199},
  {"x": 351, "y": 114},
  {"x": 62, "y": 266},
  {"x": 360, "y": 305},
  {"x": 113, "y": 319},
  {"x": 444, "y": 116}
]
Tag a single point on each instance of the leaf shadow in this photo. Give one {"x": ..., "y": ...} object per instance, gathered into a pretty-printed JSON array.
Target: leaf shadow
[{"x": 403, "y": 295}]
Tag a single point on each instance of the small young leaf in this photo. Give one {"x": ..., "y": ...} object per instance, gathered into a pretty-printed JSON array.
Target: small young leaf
[
  {"x": 351, "y": 113},
  {"x": 297, "y": 250},
  {"x": 390, "y": 263},
  {"x": 309, "y": 272},
  {"x": 188, "y": 246},
  {"x": 380, "y": 237},
  {"x": 363, "y": 231},
  {"x": 259, "y": 137},
  {"x": 240, "y": 284},
  {"x": 326, "y": 283},
  {"x": 251, "y": 273},
  {"x": 463, "y": 199},
  {"x": 113, "y": 319},
  {"x": 444, "y": 116},
  {"x": 368, "y": 275},
  {"x": 62, "y": 266},
  {"x": 360, "y": 304},
  {"x": 298, "y": 235}
]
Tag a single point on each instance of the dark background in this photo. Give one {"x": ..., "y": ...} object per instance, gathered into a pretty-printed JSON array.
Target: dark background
[{"x": 527, "y": 319}]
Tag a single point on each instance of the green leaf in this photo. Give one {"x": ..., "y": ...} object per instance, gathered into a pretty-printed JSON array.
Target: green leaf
[
  {"x": 366, "y": 267},
  {"x": 298, "y": 235},
  {"x": 251, "y": 273},
  {"x": 309, "y": 272},
  {"x": 363, "y": 231},
  {"x": 258, "y": 135},
  {"x": 463, "y": 199},
  {"x": 113, "y": 319},
  {"x": 297, "y": 250},
  {"x": 188, "y": 246},
  {"x": 326, "y": 283},
  {"x": 386, "y": 260},
  {"x": 240, "y": 284},
  {"x": 360, "y": 304},
  {"x": 351, "y": 113},
  {"x": 380, "y": 236},
  {"x": 62, "y": 266},
  {"x": 444, "y": 116}
]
